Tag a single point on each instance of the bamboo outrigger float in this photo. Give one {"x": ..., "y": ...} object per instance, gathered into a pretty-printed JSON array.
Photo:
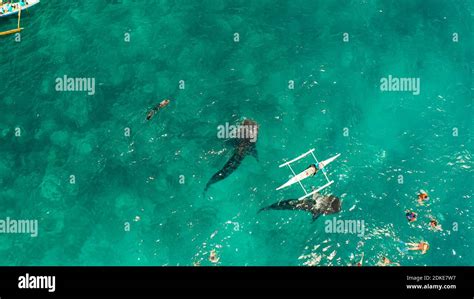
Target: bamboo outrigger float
[{"x": 9, "y": 9}]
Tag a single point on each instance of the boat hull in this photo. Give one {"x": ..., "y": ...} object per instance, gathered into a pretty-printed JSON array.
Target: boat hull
[
  {"x": 326, "y": 162},
  {"x": 301, "y": 176},
  {"x": 292, "y": 181},
  {"x": 15, "y": 12}
]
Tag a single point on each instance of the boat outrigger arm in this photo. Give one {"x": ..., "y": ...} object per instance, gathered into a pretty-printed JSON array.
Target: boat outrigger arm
[
  {"x": 18, "y": 29},
  {"x": 297, "y": 178}
]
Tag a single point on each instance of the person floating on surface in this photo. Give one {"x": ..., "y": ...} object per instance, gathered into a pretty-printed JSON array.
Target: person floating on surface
[
  {"x": 411, "y": 216},
  {"x": 421, "y": 246},
  {"x": 213, "y": 258},
  {"x": 155, "y": 109},
  {"x": 386, "y": 262},
  {"x": 422, "y": 197},
  {"x": 359, "y": 264},
  {"x": 434, "y": 225}
]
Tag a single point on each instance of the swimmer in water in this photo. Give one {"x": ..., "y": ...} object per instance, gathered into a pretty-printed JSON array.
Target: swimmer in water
[
  {"x": 359, "y": 264},
  {"x": 213, "y": 257},
  {"x": 155, "y": 109},
  {"x": 422, "y": 246},
  {"x": 411, "y": 216},
  {"x": 422, "y": 197},
  {"x": 386, "y": 262},
  {"x": 434, "y": 225}
]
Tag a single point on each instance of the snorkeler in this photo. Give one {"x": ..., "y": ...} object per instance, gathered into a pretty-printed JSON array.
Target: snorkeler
[
  {"x": 386, "y": 262},
  {"x": 155, "y": 109},
  {"x": 213, "y": 258},
  {"x": 434, "y": 225},
  {"x": 422, "y": 246},
  {"x": 422, "y": 197},
  {"x": 411, "y": 216},
  {"x": 359, "y": 264}
]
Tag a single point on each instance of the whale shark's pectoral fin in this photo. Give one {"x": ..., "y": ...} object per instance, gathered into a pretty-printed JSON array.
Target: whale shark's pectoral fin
[
  {"x": 253, "y": 152},
  {"x": 316, "y": 216}
]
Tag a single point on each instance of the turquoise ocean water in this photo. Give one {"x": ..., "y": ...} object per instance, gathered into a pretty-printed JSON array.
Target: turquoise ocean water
[{"x": 136, "y": 179}]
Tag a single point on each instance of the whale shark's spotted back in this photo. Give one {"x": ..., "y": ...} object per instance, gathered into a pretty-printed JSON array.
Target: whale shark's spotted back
[{"x": 327, "y": 204}]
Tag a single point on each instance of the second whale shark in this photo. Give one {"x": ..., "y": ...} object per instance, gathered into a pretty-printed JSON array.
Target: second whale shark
[{"x": 317, "y": 206}]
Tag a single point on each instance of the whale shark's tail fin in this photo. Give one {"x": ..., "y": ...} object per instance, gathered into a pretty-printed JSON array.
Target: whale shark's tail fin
[
  {"x": 254, "y": 153},
  {"x": 205, "y": 188},
  {"x": 204, "y": 192},
  {"x": 264, "y": 209},
  {"x": 215, "y": 178}
]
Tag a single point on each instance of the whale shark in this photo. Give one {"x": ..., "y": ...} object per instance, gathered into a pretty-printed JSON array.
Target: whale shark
[
  {"x": 318, "y": 205},
  {"x": 245, "y": 145}
]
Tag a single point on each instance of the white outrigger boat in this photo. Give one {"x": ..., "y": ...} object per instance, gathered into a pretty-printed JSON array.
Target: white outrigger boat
[
  {"x": 8, "y": 9},
  {"x": 310, "y": 171}
]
